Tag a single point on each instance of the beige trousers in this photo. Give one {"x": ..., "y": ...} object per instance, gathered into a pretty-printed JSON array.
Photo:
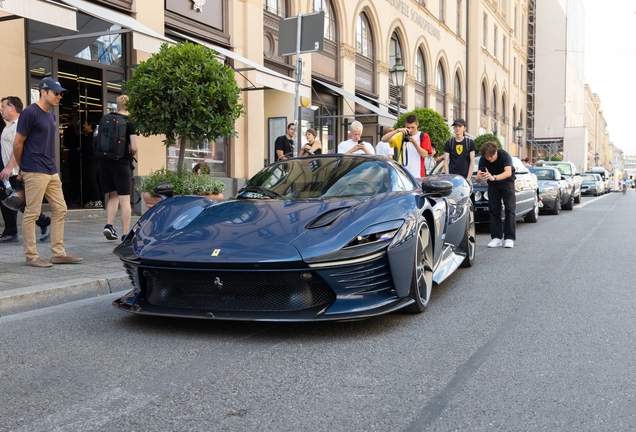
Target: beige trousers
[{"x": 37, "y": 186}]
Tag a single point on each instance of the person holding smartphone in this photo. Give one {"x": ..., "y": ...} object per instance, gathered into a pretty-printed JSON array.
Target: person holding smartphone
[
  {"x": 495, "y": 166},
  {"x": 354, "y": 145}
]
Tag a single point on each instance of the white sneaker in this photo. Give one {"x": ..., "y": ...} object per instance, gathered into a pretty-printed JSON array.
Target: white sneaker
[
  {"x": 509, "y": 243},
  {"x": 495, "y": 243}
]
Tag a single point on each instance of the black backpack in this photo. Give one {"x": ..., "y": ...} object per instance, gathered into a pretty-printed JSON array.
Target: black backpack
[{"x": 110, "y": 140}]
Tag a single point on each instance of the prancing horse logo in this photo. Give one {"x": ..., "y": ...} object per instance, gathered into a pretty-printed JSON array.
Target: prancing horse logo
[
  {"x": 218, "y": 283},
  {"x": 459, "y": 149}
]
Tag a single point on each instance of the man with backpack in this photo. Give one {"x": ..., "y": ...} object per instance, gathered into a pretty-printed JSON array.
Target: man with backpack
[{"x": 115, "y": 144}]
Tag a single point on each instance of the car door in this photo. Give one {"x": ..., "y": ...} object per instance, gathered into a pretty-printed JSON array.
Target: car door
[{"x": 525, "y": 187}]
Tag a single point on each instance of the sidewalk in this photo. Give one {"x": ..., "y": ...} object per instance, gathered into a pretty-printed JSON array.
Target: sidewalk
[{"x": 25, "y": 288}]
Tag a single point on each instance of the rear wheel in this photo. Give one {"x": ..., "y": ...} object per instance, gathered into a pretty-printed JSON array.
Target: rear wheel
[
  {"x": 557, "y": 205},
  {"x": 468, "y": 242},
  {"x": 422, "y": 281},
  {"x": 577, "y": 199},
  {"x": 570, "y": 204},
  {"x": 533, "y": 216}
]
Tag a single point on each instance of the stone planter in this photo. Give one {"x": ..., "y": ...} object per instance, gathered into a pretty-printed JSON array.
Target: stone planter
[{"x": 150, "y": 200}]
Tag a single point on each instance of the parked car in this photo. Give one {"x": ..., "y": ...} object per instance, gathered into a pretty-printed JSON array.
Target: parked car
[
  {"x": 592, "y": 184},
  {"x": 568, "y": 170},
  {"x": 323, "y": 237},
  {"x": 526, "y": 191},
  {"x": 606, "y": 176},
  {"x": 554, "y": 190}
]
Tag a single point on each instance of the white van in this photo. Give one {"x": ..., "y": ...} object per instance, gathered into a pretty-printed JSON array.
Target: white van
[{"x": 605, "y": 175}]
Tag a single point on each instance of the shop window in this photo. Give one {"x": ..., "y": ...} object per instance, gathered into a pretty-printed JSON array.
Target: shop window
[
  {"x": 211, "y": 153},
  {"x": 107, "y": 49}
]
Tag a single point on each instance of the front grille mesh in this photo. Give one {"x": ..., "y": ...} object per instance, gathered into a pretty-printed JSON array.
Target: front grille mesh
[{"x": 237, "y": 291}]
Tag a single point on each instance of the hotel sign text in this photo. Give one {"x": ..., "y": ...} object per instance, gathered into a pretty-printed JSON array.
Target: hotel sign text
[{"x": 418, "y": 19}]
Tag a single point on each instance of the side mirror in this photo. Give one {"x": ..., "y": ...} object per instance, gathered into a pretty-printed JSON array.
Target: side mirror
[
  {"x": 163, "y": 190},
  {"x": 436, "y": 186}
]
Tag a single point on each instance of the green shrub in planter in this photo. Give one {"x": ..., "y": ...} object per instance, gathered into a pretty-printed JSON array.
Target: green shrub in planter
[{"x": 183, "y": 182}]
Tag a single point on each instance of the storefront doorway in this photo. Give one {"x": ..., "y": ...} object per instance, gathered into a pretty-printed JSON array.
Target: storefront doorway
[
  {"x": 91, "y": 68},
  {"x": 80, "y": 112}
]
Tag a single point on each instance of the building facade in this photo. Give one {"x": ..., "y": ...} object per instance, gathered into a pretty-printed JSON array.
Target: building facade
[
  {"x": 559, "y": 113},
  {"x": 463, "y": 59},
  {"x": 598, "y": 147}
]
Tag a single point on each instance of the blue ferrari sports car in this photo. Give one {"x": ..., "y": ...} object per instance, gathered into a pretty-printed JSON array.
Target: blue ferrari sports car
[{"x": 324, "y": 237}]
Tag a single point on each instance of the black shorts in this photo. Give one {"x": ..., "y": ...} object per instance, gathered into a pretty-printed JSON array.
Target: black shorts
[{"x": 114, "y": 176}]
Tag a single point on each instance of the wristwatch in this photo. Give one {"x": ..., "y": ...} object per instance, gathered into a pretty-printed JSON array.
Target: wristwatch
[{"x": 494, "y": 178}]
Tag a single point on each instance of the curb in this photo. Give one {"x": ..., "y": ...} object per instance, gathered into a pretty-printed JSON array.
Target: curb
[{"x": 40, "y": 296}]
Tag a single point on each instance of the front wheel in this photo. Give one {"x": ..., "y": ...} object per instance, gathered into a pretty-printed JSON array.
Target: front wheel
[
  {"x": 533, "y": 216},
  {"x": 468, "y": 242},
  {"x": 422, "y": 281},
  {"x": 557, "y": 205}
]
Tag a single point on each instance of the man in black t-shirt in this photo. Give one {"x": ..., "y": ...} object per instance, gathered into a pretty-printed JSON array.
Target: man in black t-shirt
[
  {"x": 284, "y": 144},
  {"x": 459, "y": 152},
  {"x": 495, "y": 165}
]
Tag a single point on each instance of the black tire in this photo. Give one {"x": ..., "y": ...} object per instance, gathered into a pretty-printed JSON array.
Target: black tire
[
  {"x": 468, "y": 242},
  {"x": 422, "y": 280},
  {"x": 570, "y": 204},
  {"x": 577, "y": 199},
  {"x": 533, "y": 215},
  {"x": 557, "y": 205}
]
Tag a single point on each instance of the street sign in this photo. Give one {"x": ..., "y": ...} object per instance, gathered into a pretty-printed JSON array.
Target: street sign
[{"x": 312, "y": 34}]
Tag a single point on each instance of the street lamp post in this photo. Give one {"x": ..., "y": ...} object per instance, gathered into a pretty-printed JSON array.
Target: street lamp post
[
  {"x": 398, "y": 74},
  {"x": 519, "y": 134}
]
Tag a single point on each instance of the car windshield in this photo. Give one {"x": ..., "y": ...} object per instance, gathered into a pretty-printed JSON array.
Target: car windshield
[
  {"x": 543, "y": 174},
  {"x": 326, "y": 176},
  {"x": 563, "y": 168},
  {"x": 588, "y": 177}
]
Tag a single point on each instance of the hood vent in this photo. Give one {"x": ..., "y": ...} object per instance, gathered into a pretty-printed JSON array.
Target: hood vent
[{"x": 326, "y": 218}]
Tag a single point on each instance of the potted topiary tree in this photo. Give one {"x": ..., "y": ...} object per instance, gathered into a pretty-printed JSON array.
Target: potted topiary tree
[
  {"x": 184, "y": 92},
  {"x": 481, "y": 139}
]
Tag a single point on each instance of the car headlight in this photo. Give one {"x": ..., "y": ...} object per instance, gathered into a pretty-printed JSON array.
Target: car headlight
[
  {"x": 384, "y": 232},
  {"x": 478, "y": 195},
  {"x": 486, "y": 195}
]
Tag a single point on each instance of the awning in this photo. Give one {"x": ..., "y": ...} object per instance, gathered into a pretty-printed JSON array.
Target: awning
[
  {"x": 384, "y": 118},
  {"x": 264, "y": 76},
  {"x": 144, "y": 38},
  {"x": 44, "y": 11}
]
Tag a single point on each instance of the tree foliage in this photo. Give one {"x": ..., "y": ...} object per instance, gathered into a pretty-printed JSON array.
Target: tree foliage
[
  {"x": 430, "y": 122},
  {"x": 481, "y": 139},
  {"x": 184, "y": 91}
]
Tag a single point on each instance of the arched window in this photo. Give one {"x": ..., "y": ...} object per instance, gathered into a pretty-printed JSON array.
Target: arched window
[
  {"x": 365, "y": 64},
  {"x": 494, "y": 104},
  {"x": 514, "y": 116},
  {"x": 504, "y": 117},
  {"x": 364, "y": 39},
  {"x": 484, "y": 105},
  {"x": 457, "y": 97},
  {"x": 275, "y": 6},
  {"x": 420, "y": 80},
  {"x": 440, "y": 83},
  {"x": 330, "y": 20},
  {"x": 395, "y": 51}
]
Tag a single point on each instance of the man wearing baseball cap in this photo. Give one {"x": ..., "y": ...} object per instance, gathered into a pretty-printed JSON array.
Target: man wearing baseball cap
[{"x": 34, "y": 151}]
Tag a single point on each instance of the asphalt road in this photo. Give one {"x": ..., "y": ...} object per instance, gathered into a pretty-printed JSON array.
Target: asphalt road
[{"x": 539, "y": 337}]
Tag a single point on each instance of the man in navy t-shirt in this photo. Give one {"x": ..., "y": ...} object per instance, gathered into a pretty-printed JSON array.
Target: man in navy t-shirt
[
  {"x": 34, "y": 151},
  {"x": 495, "y": 165}
]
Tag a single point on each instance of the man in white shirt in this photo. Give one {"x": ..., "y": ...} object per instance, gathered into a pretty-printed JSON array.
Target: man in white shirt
[
  {"x": 384, "y": 148},
  {"x": 10, "y": 109},
  {"x": 354, "y": 145}
]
